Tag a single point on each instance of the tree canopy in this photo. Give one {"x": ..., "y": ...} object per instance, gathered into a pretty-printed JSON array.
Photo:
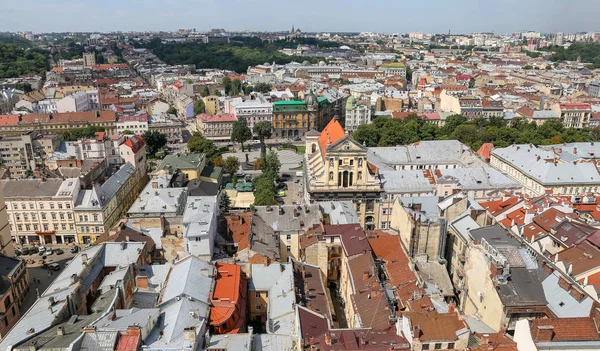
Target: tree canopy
[
  {"x": 240, "y": 132},
  {"x": 199, "y": 107},
  {"x": 231, "y": 165},
  {"x": 199, "y": 144},
  {"x": 588, "y": 52},
  {"x": 79, "y": 133},
  {"x": 236, "y": 56},
  {"x": 16, "y": 61},
  {"x": 154, "y": 140},
  {"x": 263, "y": 130},
  {"x": 389, "y": 132},
  {"x": 264, "y": 194}
]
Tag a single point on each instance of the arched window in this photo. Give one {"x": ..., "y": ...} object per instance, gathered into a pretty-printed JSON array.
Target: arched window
[
  {"x": 359, "y": 175},
  {"x": 314, "y": 148},
  {"x": 360, "y": 162},
  {"x": 330, "y": 175},
  {"x": 330, "y": 162}
]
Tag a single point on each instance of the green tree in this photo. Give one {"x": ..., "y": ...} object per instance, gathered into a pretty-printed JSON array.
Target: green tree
[
  {"x": 272, "y": 165},
  {"x": 263, "y": 88},
  {"x": 236, "y": 87},
  {"x": 240, "y": 132},
  {"x": 367, "y": 134},
  {"x": 25, "y": 87},
  {"x": 264, "y": 193},
  {"x": 224, "y": 202},
  {"x": 199, "y": 107},
  {"x": 172, "y": 111},
  {"x": 232, "y": 165},
  {"x": 227, "y": 85},
  {"x": 205, "y": 92},
  {"x": 154, "y": 141},
  {"x": 263, "y": 130},
  {"x": 466, "y": 134},
  {"x": 199, "y": 144}
]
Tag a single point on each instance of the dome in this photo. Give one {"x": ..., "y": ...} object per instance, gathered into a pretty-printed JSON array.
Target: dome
[
  {"x": 351, "y": 103},
  {"x": 311, "y": 99}
]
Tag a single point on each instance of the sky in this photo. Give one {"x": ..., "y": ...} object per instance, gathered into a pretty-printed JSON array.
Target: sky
[{"x": 387, "y": 16}]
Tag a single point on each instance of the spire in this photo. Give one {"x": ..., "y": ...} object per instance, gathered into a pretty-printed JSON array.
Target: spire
[{"x": 292, "y": 29}]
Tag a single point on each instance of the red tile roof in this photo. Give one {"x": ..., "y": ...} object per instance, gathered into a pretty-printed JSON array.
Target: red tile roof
[
  {"x": 332, "y": 132},
  {"x": 128, "y": 342},
  {"x": 575, "y": 106},
  {"x": 567, "y": 329},
  {"x": 239, "y": 227},
  {"x": 135, "y": 143},
  {"x": 226, "y": 117},
  {"x": 485, "y": 151},
  {"x": 435, "y": 326},
  {"x": 229, "y": 296},
  {"x": 353, "y": 237},
  {"x": 58, "y": 118},
  {"x": 584, "y": 257},
  {"x": 498, "y": 206},
  {"x": 106, "y": 67}
]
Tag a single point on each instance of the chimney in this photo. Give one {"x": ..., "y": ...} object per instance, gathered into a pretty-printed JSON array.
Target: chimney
[
  {"x": 84, "y": 258},
  {"x": 127, "y": 238},
  {"x": 416, "y": 332},
  {"x": 280, "y": 210},
  {"x": 544, "y": 333},
  {"x": 363, "y": 341},
  {"x": 141, "y": 281},
  {"x": 311, "y": 340},
  {"x": 123, "y": 245},
  {"x": 73, "y": 278},
  {"x": 365, "y": 275},
  {"x": 189, "y": 333},
  {"x": 296, "y": 212},
  {"x": 485, "y": 339},
  {"x": 451, "y": 307},
  {"x": 328, "y": 339},
  {"x": 60, "y": 331},
  {"x": 305, "y": 286},
  {"x": 33, "y": 346},
  {"x": 575, "y": 150}
]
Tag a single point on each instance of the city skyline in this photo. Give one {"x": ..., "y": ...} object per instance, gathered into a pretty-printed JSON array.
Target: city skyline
[{"x": 310, "y": 16}]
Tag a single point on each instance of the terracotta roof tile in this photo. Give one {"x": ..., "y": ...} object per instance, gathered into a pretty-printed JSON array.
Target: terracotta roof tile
[
  {"x": 331, "y": 134},
  {"x": 435, "y": 326},
  {"x": 568, "y": 329}
]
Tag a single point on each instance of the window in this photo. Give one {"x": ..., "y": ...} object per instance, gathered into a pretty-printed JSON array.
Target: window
[
  {"x": 45, "y": 227},
  {"x": 51, "y": 206},
  {"x": 258, "y": 307},
  {"x": 68, "y": 205},
  {"x": 31, "y": 205},
  {"x": 359, "y": 175},
  {"x": 425, "y": 347},
  {"x": 288, "y": 248},
  {"x": 41, "y": 206},
  {"x": 25, "y": 216},
  {"x": 43, "y": 215},
  {"x": 257, "y": 294},
  {"x": 95, "y": 218},
  {"x": 339, "y": 162},
  {"x": 62, "y": 216},
  {"x": 198, "y": 238},
  {"x": 53, "y": 215},
  {"x": 20, "y": 227},
  {"x": 351, "y": 162},
  {"x": 438, "y": 346},
  {"x": 450, "y": 346},
  {"x": 288, "y": 237},
  {"x": 60, "y": 206},
  {"x": 330, "y": 175}
]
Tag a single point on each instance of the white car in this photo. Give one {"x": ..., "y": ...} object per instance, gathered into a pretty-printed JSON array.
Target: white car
[{"x": 41, "y": 249}]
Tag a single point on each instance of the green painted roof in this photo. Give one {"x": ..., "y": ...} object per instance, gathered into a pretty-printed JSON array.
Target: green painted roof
[
  {"x": 322, "y": 99},
  {"x": 290, "y": 102}
]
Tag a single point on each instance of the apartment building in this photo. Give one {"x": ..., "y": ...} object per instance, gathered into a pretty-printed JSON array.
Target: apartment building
[
  {"x": 165, "y": 124},
  {"x": 53, "y": 123},
  {"x": 562, "y": 169},
  {"x": 20, "y": 154},
  {"x": 356, "y": 114},
  {"x": 98, "y": 209},
  {"x": 40, "y": 211},
  {"x": 574, "y": 115},
  {"x": 254, "y": 111},
  {"x": 216, "y": 127},
  {"x": 15, "y": 280}
]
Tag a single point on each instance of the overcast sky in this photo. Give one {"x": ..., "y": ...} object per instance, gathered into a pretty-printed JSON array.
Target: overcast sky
[{"x": 390, "y": 16}]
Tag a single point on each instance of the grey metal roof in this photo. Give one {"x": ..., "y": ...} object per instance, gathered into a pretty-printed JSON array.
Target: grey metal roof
[
  {"x": 30, "y": 187},
  {"x": 523, "y": 289},
  {"x": 479, "y": 178},
  {"x": 405, "y": 181},
  {"x": 99, "y": 341},
  {"x": 307, "y": 216},
  {"x": 273, "y": 342},
  {"x": 159, "y": 201},
  {"x": 230, "y": 342},
  {"x": 463, "y": 225},
  {"x": 545, "y": 170},
  {"x": 189, "y": 277},
  {"x": 339, "y": 212},
  {"x": 561, "y": 302}
]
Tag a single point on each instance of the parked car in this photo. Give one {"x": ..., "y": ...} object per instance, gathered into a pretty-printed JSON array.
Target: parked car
[
  {"x": 25, "y": 251},
  {"x": 49, "y": 251},
  {"x": 41, "y": 249},
  {"x": 297, "y": 180},
  {"x": 59, "y": 251},
  {"x": 285, "y": 176},
  {"x": 74, "y": 249},
  {"x": 54, "y": 266}
]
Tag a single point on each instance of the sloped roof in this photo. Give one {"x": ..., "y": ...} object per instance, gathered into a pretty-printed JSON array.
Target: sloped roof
[{"x": 330, "y": 134}]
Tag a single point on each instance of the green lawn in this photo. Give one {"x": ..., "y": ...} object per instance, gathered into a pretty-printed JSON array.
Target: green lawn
[{"x": 301, "y": 150}]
